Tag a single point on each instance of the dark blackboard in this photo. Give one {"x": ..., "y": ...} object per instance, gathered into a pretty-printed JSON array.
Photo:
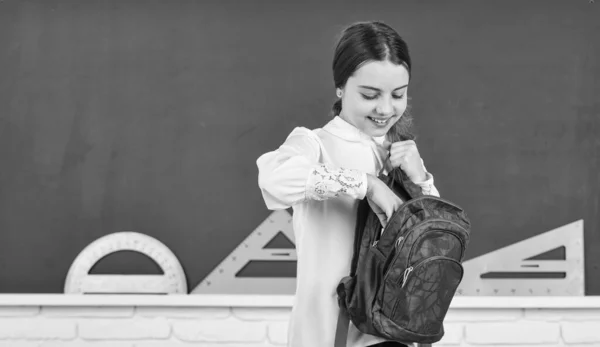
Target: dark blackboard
[{"x": 149, "y": 116}]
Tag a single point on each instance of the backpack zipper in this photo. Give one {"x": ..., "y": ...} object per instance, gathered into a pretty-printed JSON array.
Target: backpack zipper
[
  {"x": 398, "y": 242},
  {"x": 407, "y": 271},
  {"x": 375, "y": 242}
]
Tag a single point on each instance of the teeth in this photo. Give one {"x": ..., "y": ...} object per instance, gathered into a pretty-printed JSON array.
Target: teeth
[{"x": 379, "y": 121}]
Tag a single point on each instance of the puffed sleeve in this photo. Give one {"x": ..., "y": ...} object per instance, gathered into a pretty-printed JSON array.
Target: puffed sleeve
[
  {"x": 427, "y": 186},
  {"x": 293, "y": 174}
]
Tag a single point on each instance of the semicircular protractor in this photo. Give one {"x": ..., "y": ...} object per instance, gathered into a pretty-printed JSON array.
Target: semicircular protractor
[{"x": 80, "y": 281}]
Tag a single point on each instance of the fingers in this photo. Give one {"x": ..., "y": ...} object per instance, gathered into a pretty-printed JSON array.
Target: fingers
[
  {"x": 397, "y": 203},
  {"x": 381, "y": 215},
  {"x": 388, "y": 164},
  {"x": 403, "y": 147},
  {"x": 384, "y": 203},
  {"x": 403, "y": 144},
  {"x": 387, "y": 144},
  {"x": 390, "y": 212},
  {"x": 403, "y": 153},
  {"x": 382, "y": 219},
  {"x": 401, "y": 160}
]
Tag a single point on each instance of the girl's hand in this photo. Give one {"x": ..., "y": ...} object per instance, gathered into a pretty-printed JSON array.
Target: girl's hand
[
  {"x": 383, "y": 201},
  {"x": 405, "y": 155}
]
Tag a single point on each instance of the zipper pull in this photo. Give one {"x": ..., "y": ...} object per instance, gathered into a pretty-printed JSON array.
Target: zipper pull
[
  {"x": 406, "y": 272},
  {"x": 399, "y": 240},
  {"x": 375, "y": 243}
]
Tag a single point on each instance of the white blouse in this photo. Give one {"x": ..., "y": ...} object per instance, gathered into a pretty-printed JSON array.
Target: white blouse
[{"x": 321, "y": 174}]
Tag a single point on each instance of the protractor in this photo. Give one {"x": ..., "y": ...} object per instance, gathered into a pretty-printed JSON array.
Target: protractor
[{"x": 80, "y": 281}]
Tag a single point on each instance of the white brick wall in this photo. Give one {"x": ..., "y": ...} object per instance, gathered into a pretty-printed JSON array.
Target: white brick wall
[{"x": 76, "y": 326}]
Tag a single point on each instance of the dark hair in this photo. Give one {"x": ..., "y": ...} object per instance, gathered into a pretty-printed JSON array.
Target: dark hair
[{"x": 371, "y": 41}]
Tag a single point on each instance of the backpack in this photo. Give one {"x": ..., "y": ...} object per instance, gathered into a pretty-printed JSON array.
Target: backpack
[{"x": 403, "y": 278}]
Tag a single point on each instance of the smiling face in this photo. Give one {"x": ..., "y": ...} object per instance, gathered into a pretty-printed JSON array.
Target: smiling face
[{"x": 374, "y": 97}]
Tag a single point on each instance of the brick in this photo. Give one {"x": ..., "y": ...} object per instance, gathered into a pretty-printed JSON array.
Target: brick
[
  {"x": 278, "y": 333},
  {"x": 204, "y": 344},
  {"x": 82, "y": 311},
  {"x": 162, "y": 343},
  {"x": 523, "y": 332},
  {"x": 80, "y": 343},
  {"x": 19, "y": 311},
  {"x": 581, "y": 332},
  {"x": 258, "y": 314},
  {"x": 226, "y": 330},
  {"x": 36, "y": 328},
  {"x": 184, "y": 312},
  {"x": 201, "y": 344},
  {"x": 124, "y": 329},
  {"x": 18, "y": 344},
  {"x": 453, "y": 334},
  {"x": 479, "y": 315},
  {"x": 562, "y": 314}
]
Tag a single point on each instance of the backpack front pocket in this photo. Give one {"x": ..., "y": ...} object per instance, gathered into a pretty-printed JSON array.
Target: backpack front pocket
[
  {"x": 425, "y": 294},
  {"x": 430, "y": 238}
]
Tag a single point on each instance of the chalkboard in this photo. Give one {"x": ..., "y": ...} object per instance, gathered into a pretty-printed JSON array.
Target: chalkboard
[{"x": 149, "y": 117}]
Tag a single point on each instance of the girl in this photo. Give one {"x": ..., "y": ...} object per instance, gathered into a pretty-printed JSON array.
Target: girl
[{"x": 323, "y": 173}]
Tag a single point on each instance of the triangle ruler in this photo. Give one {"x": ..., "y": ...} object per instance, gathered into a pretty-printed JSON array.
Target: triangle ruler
[
  {"x": 264, "y": 263},
  {"x": 549, "y": 264}
]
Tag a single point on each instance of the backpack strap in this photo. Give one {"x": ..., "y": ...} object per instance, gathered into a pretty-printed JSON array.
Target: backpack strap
[
  {"x": 341, "y": 331},
  {"x": 361, "y": 221},
  {"x": 400, "y": 184},
  {"x": 400, "y": 181}
]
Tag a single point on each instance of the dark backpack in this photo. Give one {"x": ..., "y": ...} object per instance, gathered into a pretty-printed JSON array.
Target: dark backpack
[{"x": 402, "y": 281}]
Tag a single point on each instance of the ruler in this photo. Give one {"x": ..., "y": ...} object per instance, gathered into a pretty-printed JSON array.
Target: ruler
[
  {"x": 548, "y": 264},
  {"x": 228, "y": 277}
]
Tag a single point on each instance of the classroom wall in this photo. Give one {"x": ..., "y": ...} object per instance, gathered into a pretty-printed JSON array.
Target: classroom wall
[
  {"x": 141, "y": 326},
  {"x": 148, "y": 116}
]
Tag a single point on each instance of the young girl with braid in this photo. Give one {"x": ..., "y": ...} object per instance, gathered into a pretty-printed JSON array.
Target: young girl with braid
[{"x": 323, "y": 173}]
